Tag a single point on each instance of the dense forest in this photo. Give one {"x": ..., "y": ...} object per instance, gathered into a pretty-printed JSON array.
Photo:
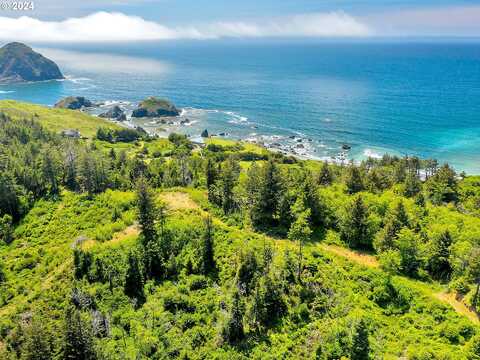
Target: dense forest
[{"x": 120, "y": 245}]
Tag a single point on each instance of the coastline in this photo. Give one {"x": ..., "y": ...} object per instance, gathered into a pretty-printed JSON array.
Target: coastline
[{"x": 186, "y": 123}]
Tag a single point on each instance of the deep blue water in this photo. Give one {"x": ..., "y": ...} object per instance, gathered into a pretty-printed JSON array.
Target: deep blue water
[{"x": 418, "y": 98}]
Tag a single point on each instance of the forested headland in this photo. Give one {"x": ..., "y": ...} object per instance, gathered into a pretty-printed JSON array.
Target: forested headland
[{"x": 119, "y": 245}]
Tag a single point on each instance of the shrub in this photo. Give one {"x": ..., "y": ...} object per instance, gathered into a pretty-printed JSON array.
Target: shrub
[
  {"x": 197, "y": 282},
  {"x": 174, "y": 302},
  {"x": 104, "y": 233}
]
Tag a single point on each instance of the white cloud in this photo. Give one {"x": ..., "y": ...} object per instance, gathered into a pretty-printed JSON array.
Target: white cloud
[
  {"x": 446, "y": 20},
  {"x": 311, "y": 25},
  {"x": 104, "y": 63},
  {"x": 104, "y": 26}
]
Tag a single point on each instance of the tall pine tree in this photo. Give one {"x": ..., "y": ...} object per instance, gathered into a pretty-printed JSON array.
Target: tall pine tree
[
  {"x": 439, "y": 260},
  {"x": 353, "y": 180},
  {"x": 147, "y": 211},
  {"x": 208, "y": 261},
  {"x": 134, "y": 279},
  {"x": 360, "y": 342},
  {"x": 354, "y": 226},
  {"x": 79, "y": 341},
  {"x": 325, "y": 176}
]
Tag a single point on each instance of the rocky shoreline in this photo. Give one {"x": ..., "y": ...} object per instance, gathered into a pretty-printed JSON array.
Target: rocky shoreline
[{"x": 168, "y": 118}]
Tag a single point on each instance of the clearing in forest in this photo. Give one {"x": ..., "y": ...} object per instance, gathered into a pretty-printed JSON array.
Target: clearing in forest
[{"x": 178, "y": 201}]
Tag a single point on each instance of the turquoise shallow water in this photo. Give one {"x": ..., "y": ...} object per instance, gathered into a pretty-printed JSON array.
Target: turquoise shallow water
[{"x": 420, "y": 98}]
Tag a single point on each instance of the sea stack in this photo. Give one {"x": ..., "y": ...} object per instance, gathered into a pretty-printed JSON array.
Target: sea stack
[
  {"x": 74, "y": 103},
  {"x": 153, "y": 107},
  {"x": 115, "y": 113},
  {"x": 19, "y": 63}
]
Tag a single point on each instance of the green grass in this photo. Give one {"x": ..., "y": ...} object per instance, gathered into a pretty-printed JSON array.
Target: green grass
[
  {"x": 242, "y": 145},
  {"x": 38, "y": 262},
  {"x": 56, "y": 119},
  {"x": 39, "y": 269}
]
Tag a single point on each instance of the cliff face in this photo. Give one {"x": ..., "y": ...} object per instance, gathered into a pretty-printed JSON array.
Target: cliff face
[{"x": 19, "y": 63}]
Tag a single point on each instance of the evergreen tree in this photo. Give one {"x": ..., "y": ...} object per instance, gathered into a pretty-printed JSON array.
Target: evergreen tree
[
  {"x": 6, "y": 229},
  {"x": 439, "y": 259},
  {"x": 360, "y": 343},
  {"x": 353, "y": 180},
  {"x": 443, "y": 186},
  {"x": 153, "y": 260},
  {"x": 70, "y": 165},
  {"x": 408, "y": 244},
  {"x": 3, "y": 277},
  {"x": 252, "y": 188},
  {"x": 121, "y": 160},
  {"x": 271, "y": 187},
  {"x": 211, "y": 176},
  {"x": 396, "y": 221},
  {"x": 147, "y": 211},
  {"x": 412, "y": 184},
  {"x": 232, "y": 331},
  {"x": 82, "y": 261},
  {"x": 79, "y": 342},
  {"x": 50, "y": 171},
  {"x": 267, "y": 304},
  {"x": 10, "y": 197},
  {"x": 229, "y": 178},
  {"x": 87, "y": 173},
  {"x": 376, "y": 181},
  {"x": 208, "y": 261},
  {"x": 290, "y": 268},
  {"x": 134, "y": 279},
  {"x": 420, "y": 200},
  {"x": 309, "y": 193},
  {"x": 265, "y": 193},
  {"x": 473, "y": 272},
  {"x": 246, "y": 272},
  {"x": 400, "y": 171},
  {"x": 300, "y": 230},
  {"x": 325, "y": 176},
  {"x": 354, "y": 225},
  {"x": 38, "y": 341},
  {"x": 112, "y": 155},
  {"x": 400, "y": 215}
]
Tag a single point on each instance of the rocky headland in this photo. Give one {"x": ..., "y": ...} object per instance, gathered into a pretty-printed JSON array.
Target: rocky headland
[{"x": 19, "y": 63}]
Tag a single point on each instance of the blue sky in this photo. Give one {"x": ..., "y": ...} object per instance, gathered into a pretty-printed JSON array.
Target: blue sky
[
  {"x": 204, "y": 10},
  {"x": 135, "y": 20}
]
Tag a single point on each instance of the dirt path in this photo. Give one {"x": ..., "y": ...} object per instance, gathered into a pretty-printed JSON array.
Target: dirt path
[
  {"x": 459, "y": 306},
  {"x": 178, "y": 201},
  {"x": 372, "y": 262},
  {"x": 132, "y": 230},
  {"x": 358, "y": 257}
]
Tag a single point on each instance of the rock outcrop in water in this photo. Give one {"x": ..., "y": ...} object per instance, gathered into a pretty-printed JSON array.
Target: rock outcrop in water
[
  {"x": 19, "y": 63},
  {"x": 73, "y": 103},
  {"x": 153, "y": 107},
  {"x": 115, "y": 113}
]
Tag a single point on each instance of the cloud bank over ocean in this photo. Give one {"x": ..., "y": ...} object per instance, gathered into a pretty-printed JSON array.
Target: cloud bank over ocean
[
  {"x": 105, "y": 63},
  {"x": 106, "y": 26}
]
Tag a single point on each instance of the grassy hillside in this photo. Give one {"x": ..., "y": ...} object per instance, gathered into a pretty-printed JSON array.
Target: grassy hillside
[
  {"x": 42, "y": 269},
  {"x": 154, "y": 249},
  {"x": 55, "y": 119}
]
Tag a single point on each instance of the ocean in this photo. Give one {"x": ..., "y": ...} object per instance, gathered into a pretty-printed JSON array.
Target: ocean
[{"x": 309, "y": 97}]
